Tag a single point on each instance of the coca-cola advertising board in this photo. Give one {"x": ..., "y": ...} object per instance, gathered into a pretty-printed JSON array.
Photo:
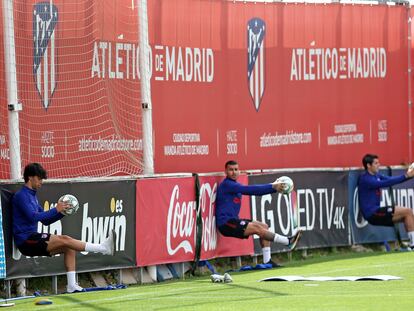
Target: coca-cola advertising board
[
  {"x": 166, "y": 221},
  {"x": 213, "y": 243}
]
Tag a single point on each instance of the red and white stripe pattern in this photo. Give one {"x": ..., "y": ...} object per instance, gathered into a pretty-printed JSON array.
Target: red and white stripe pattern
[
  {"x": 44, "y": 23},
  {"x": 257, "y": 80},
  {"x": 256, "y": 68}
]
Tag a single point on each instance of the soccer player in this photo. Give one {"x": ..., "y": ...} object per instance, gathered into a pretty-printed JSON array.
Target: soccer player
[
  {"x": 27, "y": 213},
  {"x": 228, "y": 203},
  {"x": 369, "y": 193}
]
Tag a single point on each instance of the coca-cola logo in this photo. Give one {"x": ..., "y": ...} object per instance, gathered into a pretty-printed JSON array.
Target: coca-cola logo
[
  {"x": 180, "y": 224},
  {"x": 207, "y": 208}
]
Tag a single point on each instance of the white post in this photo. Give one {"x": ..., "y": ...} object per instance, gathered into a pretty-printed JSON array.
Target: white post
[
  {"x": 148, "y": 154},
  {"x": 410, "y": 98},
  {"x": 11, "y": 80},
  {"x": 13, "y": 105},
  {"x": 144, "y": 59}
]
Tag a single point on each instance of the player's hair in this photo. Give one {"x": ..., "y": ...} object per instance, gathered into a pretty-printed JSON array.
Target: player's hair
[
  {"x": 231, "y": 162},
  {"x": 34, "y": 169},
  {"x": 368, "y": 159}
]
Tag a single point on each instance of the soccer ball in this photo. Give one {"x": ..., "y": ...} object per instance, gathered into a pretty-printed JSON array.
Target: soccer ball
[
  {"x": 73, "y": 202},
  {"x": 287, "y": 184},
  {"x": 411, "y": 166}
]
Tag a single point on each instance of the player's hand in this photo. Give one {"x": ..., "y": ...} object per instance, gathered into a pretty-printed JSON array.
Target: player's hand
[
  {"x": 61, "y": 206},
  {"x": 410, "y": 172},
  {"x": 279, "y": 187}
]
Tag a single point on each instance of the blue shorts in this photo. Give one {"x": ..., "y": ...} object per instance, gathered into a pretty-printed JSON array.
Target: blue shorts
[
  {"x": 35, "y": 245},
  {"x": 235, "y": 228},
  {"x": 382, "y": 217}
]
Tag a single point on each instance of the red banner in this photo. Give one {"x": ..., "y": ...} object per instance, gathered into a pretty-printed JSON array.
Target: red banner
[
  {"x": 77, "y": 72},
  {"x": 213, "y": 243},
  {"x": 166, "y": 220},
  {"x": 278, "y": 85},
  {"x": 263, "y": 83}
]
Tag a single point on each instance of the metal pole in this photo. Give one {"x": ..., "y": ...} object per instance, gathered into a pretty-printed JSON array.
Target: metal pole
[
  {"x": 11, "y": 81},
  {"x": 410, "y": 101},
  {"x": 144, "y": 67},
  {"x": 13, "y": 104},
  {"x": 144, "y": 59},
  {"x": 55, "y": 284}
]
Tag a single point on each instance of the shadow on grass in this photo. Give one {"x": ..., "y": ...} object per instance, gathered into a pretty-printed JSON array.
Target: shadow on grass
[
  {"x": 340, "y": 257},
  {"x": 83, "y": 303},
  {"x": 343, "y": 256},
  {"x": 222, "y": 287}
]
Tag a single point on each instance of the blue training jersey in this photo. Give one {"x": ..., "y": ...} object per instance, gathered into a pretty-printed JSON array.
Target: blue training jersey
[
  {"x": 369, "y": 190},
  {"x": 229, "y": 194},
  {"x": 27, "y": 213}
]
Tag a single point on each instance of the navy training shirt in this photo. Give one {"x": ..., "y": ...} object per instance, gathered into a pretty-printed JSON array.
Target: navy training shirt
[
  {"x": 229, "y": 194},
  {"x": 27, "y": 213},
  {"x": 369, "y": 190}
]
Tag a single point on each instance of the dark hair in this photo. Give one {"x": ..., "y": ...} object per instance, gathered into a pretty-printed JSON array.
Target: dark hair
[
  {"x": 368, "y": 159},
  {"x": 231, "y": 162},
  {"x": 34, "y": 169}
]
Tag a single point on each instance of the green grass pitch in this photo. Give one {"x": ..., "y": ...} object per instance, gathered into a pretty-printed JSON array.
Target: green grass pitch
[{"x": 246, "y": 293}]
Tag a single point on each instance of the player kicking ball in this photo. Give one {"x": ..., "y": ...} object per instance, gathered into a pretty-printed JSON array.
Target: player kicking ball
[
  {"x": 228, "y": 203},
  {"x": 27, "y": 213}
]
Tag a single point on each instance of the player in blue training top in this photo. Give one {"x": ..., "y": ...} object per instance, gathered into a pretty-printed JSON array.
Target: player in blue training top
[
  {"x": 228, "y": 203},
  {"x": 27, "y": 213},
  {"x": 369, "y": 194}
]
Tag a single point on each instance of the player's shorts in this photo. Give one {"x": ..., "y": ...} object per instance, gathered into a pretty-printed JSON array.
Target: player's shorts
[
  {"x": 382, "y": 217},
  {"x": 35, "y": 245},
  {"x": 235, "y": 228}
]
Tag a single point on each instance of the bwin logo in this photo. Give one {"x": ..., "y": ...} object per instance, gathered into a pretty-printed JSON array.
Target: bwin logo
[
  {"x": 96, "y": 229},
  {"x": 45, "y": 18},
  {"x": 256, "y": 30}
]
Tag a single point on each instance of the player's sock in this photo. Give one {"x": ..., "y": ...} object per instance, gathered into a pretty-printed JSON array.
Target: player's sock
[
  {"x": 72, "y": 287},
  {"x": 281, "y": 239},
  {"x": 71, "y": 275},
  {"x": 95, "y": 248},
  {"x": 411, "y": 237},
  {"x": 266, "y": 254}
]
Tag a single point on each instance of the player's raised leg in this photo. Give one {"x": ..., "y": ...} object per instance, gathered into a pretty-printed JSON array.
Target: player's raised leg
[
  {"x": 266, "y": 236},
  {"x": 67, "y": 245}
]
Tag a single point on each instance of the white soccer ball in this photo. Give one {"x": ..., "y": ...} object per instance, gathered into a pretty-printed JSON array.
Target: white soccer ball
[
  {"x": 287, "y": 183},
  {"x": 72, "y": 201}
]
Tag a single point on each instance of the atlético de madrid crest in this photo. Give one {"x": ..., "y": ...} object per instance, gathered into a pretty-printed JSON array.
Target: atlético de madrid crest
[
  {"x": 45, "y": 18},
  {"x": 256, "y": 30}
]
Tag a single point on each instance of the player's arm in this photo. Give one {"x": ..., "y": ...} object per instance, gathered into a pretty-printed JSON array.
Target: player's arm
[
  {"x": 52, "y": 219},
  {"x": 252, "y": 189},
  {"x": 385, "y": 181},
  {"x": 60, "y": 206},
  {"x": 37, "y": 214}
]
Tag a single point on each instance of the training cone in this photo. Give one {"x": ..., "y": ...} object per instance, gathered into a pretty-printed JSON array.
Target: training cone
[{"x": 43, "y": 301}]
